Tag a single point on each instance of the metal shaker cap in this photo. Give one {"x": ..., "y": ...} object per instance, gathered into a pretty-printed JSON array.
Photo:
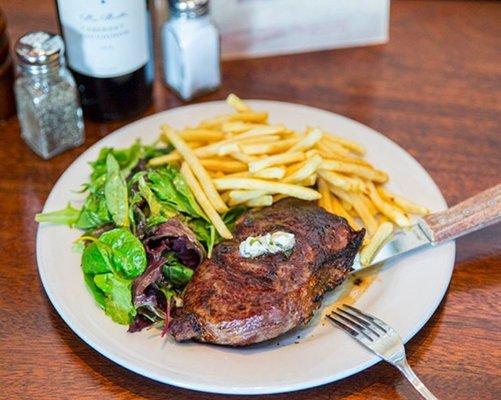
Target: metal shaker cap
[
  {"x": 39, "y": 52},
  {"x": 188, "y": 8}
]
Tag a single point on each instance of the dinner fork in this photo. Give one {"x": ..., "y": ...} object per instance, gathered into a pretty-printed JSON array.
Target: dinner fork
[{"x": 381, "y": 339}]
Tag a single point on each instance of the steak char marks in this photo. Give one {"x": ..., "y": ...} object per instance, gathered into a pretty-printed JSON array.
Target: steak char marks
[{"x": 237, "y": 301}]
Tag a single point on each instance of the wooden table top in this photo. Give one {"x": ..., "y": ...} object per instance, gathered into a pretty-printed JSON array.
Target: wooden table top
[{"x": 434, "y": 89}]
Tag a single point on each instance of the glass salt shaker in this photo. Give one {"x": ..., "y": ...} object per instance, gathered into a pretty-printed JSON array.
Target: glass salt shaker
[
  {"x": 191, "y": 53},
  {"x": 48, "y": 105}
]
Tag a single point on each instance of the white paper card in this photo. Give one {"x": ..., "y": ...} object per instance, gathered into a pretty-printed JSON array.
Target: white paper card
[{"x": 255, "y": 28}]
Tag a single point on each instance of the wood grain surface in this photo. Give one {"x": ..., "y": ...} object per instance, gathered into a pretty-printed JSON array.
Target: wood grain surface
[
  {"x": 470, "y": 215},
  {"x": 434, "y": 89}
]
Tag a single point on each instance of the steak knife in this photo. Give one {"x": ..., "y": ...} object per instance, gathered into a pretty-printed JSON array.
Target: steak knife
[{"x": 470, "y": 215}]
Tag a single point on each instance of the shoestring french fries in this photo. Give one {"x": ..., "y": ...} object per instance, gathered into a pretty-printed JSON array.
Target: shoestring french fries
[{"x": 242, "y": 158}]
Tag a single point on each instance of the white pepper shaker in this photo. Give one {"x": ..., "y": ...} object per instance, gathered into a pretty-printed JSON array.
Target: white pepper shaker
[
  {"x": 191, "y": 53},
  {"x": 48, "y": 106}
]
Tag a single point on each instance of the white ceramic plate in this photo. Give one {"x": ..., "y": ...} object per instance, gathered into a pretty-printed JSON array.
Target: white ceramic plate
[{"x": 405, "y": 294}]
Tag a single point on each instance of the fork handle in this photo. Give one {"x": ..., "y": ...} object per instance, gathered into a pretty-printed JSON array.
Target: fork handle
[{"x": 406, "y": 371}]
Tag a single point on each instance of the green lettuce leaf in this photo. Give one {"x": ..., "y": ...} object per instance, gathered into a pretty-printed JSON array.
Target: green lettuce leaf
[
  {"x": 116, "y": 193},
  {"x": 170, "y": 187},
  {"x": 175, "y": 271},
  {"x": 66, "y": 216},
  {"x": 117, "y": 293},
  {"x": 125, "y": 251},
  {"x": 97, "y": 259}
]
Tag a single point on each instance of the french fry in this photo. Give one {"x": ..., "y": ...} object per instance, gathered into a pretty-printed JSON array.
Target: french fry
[
  {"x": 248, "y": 116},
  {"x": 347, "y": 206},
  {"x": 237, "y": 155},
  {"x": 216, "y": 174},
  {"x": 311, "y": 153},
  {"x": 385, "y": 208},
  {"x": 325, "y": 201},
  {"x": 364, "y": 213},
  {"x": 236, "y": 197},
  {"x": 341, "y": 181},
  {"x": 279, "y": 159},
  {"x": 383, "y": 218},
  {"x": 381, "y": 236},
  {"x": 197, "y": 168},
  {"x": 355, "y": 169},
  {"x": 270, "y": 173},
  {"x": 278, "y": 197},
  {"x": 338, "y": 209},
  {"x": 259, "y": 140},
  {"x": 213, "y": 148},
  {"x": 349, "y": 144},
  {"x": 203, "y": 135},
  {"x": 239, "y": 127},
  {"x": 332, "y": 148},
  {"x": 195, "y": 144},
  {"x": 244, "y": 174},
  {"x": 307, "y": 142},
  {"x": 294, "y": 167},
  {"x": 268, "y": 148},
  {"x": 270, "y": 187},
  {"x": 225, "y": 196},
  {"x": 358, "y": 205},
  {"x": 234, "y": 101},
  {"x": 204, "y": 202},
  {"x": 402, "y": 202},
  {"x": 214, "y": 123},
  {"x": 310, "y": 181},
  {"x": 223, "y": 165},
  {"x": 165, "y": 159},
  {"x": 309, "y": 167},
  {"x": 263, "y": 130},
  {"x": 368, "y": 203},
  {"x": 340, "y": 157},
  {"x": 262, "y": 201}
]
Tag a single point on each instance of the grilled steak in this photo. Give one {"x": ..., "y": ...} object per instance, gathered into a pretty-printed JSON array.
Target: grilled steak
[{"x": 238, "y": 301}]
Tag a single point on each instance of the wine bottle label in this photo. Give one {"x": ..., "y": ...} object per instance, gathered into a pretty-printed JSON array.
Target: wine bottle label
[{"x": 105, "y": 38}]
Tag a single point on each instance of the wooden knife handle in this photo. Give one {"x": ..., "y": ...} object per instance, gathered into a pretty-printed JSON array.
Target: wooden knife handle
[{"x": 475, "y": 213}]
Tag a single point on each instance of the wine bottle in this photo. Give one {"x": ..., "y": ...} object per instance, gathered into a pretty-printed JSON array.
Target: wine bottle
[{"x": 108, "y": 49}]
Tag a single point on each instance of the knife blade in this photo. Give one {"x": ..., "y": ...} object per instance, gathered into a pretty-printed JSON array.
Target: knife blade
[
  {"x": 402, "y": 241},
  {"x": 474, "y": 213}
]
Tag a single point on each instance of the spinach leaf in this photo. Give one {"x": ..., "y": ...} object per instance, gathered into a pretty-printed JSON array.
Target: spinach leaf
[
  {"x": 109, "y": 264},
  {"x": 66, "y": 216},
  {"x": 117, "y": 251},
  {"x": 170, "y": 187},
  {"x": 175, "y": 271},
  {"x": 205, "y": 233},
  {"x": 115, "y": 193},
  {"x": 97, "y": 259},
  {"x": 157, "y": 208},
  {"x": 125, "y": 251},
  {"x": 95, "y": 291},
  {"x": 117, "y": 293}
]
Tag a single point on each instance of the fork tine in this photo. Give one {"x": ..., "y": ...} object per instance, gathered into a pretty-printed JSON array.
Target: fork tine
[
  {"x": 357, "y": 327},
  {"x": 344, "y": 327},
  {"x": 376, "y": 321},
  {"x": 368, "y": 325}
]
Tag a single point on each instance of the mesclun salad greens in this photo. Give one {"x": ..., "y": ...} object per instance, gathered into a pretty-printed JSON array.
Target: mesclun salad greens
[{"x": 144, "y": 235}]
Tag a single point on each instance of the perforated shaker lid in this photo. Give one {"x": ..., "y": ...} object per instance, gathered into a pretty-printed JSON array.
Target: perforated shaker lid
[
  {"x": 189, "y": 8},
  {"x": 38, "y": 51}
]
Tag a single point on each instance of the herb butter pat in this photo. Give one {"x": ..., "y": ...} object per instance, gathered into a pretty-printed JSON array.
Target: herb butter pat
[{"x": 271, "y": 243}]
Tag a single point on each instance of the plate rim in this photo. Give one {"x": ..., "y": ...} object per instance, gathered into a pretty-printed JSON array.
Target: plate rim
[{"x": 228, "y": 389}]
